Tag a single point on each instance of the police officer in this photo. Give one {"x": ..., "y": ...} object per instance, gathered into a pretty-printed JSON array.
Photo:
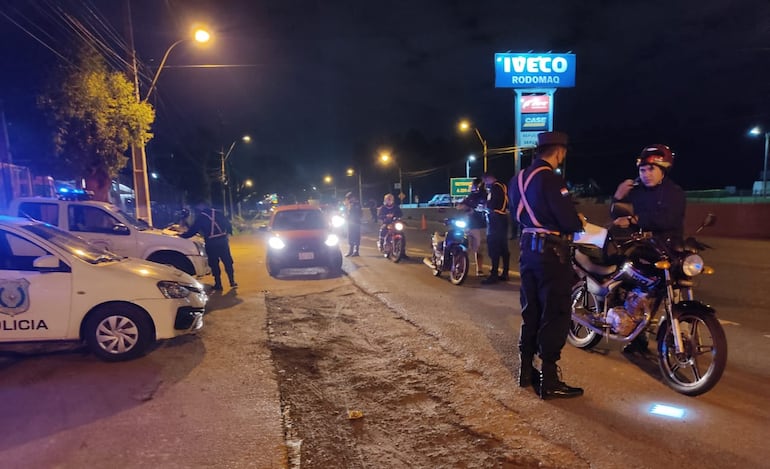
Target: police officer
[
  {"x": 353, "y": 213},
  {"x": 497, "y": 228},
  {"x": 548, "y": 218},
  {"x": 215, "y": 228}
]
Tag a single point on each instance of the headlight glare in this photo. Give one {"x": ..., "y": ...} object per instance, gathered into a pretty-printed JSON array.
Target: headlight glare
[
  {"x": 332, "y": 240},
  {"x": 399, "y": 226},
  {"x": 276, "y": 243},
  {"x": 337, "y": 221},
  {"x": 692, "y": 265},
  {"x": 173, "y": 289},
  {"x": 460, "y": 223}
]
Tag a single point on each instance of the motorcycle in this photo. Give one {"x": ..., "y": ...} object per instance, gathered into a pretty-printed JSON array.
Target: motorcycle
[
  {"x": 393, "y": 246},
  {"x": 450, "y": 251},
  {"x": 646, "y": 286}
]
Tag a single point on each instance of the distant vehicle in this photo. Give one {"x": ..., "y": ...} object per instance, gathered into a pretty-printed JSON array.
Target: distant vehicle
[
  {"x": 110, "y": 228},
  {"x": 55, "y": 286},
  {"x": 441, "y": 200},
  {"x": 301, "y": 236}
]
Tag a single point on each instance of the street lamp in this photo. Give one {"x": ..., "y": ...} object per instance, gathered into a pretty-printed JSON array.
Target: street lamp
[
  {"x": 386, "y": 158},
  {"x": 465, "y": 126},
  {"x": 352, "y": 172},
  {"x": 139, "y": 152},
  {"x": 329, "y": 180},
  {"x": 758, "y": 131},
  {"x": 468, "y": 165},
  {"x": 223, "y": 157}
]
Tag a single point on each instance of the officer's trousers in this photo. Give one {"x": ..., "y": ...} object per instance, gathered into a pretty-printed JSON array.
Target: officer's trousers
[
  {"x": 497, "y": 244},
  {"x": 219, "y": 249},
  {"x": 546, "y": 285}
]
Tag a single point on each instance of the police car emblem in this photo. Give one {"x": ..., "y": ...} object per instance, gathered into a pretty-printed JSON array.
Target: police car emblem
[{"x": 14, "y": 296}]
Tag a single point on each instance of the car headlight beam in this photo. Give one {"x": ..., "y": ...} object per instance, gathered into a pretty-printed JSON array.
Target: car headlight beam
[
  {"x": 276, "y": 243},
  {"x": 332, "y": 240},
  {"x": 173, "y": 289}
]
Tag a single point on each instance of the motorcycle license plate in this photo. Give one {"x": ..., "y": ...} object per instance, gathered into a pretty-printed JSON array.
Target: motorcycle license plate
[{"x": 306, "y": 256}]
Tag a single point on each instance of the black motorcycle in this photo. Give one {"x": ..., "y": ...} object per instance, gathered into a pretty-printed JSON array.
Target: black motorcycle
[
  {"x": 450, "y": 251},
  {"x": 641, "y": 285}
]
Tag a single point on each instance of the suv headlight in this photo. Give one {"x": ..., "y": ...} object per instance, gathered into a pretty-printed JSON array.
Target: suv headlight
[
  {"x": 276, "y": 243},
  {"x": 173, "y": 289},
  {"x": 692, "y": 265},
  {"x": 332, "y": 240}
]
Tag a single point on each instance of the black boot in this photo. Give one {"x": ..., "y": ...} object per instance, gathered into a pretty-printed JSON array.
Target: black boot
[
  {"x": 551, "y": 387},
  {"x": 350, "y": 252},
  {"x": 355, "y": 251},
  {"x": 527, "y": 372}
]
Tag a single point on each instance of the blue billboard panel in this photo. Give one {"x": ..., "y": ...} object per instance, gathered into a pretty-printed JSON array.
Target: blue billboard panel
[{"x": 534, "y": 70}]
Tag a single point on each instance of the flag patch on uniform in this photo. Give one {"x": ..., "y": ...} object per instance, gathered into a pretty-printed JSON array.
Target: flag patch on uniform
[{"x": 564, "y": 192}]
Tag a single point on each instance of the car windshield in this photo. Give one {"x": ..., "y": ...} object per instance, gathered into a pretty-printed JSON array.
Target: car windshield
[
  {"x": 140, "y": 225},
  {"x": 74, "y": 245},
  {"x": 299, "y": 220}
]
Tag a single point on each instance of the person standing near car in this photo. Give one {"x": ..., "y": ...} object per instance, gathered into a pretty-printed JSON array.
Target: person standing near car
[
  {"x": 497, "y": 229},
  {"x": 548, "y": 218},
  {"x": 214, "y": 226},
  {"x": 353, "y": 214},
  {"x": 474, "y": 205}
]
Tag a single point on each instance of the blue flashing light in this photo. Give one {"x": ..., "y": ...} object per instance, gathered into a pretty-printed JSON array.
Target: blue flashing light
[{"x": 667, "y": 411}]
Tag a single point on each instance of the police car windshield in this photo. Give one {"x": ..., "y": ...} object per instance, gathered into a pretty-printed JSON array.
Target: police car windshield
[
  {"x": 140, "y": 225},
  {"x": 72, "y": 244}
]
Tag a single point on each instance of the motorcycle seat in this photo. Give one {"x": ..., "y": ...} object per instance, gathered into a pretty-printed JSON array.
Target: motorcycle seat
[{"x": 591, "y": 259}]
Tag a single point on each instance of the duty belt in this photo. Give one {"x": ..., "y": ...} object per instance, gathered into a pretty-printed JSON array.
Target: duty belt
[{"x": 538, "y": 237}]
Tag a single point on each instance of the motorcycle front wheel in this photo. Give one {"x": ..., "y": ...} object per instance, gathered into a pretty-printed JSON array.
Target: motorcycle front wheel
[
  {"x": 397, "y": 252},
  {"x": 700, "y": 366},
  {"x": 459, "y": 270},
  {"x": 582, "y": 303}
]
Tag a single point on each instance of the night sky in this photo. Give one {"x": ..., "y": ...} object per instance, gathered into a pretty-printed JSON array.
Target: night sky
[{"x": 323, "y": 85}]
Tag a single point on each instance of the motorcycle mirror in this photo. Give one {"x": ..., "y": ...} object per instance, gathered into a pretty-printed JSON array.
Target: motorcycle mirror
[{"x": 710, "y": 220}]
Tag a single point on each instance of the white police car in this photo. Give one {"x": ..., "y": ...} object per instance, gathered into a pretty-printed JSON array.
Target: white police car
[{"x": 57, "y": 287}]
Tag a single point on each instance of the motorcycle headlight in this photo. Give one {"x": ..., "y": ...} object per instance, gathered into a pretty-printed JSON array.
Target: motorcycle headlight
[
  {"x": 337, "y": 221},
  {"x": 276, "y": 243},
  {"x": 399, "y": 226},
  {"x": 461, "y": 224},
  {"x": 332, "y": 240},
  {"x": 173, "y": 289},
  {"x": 692, "y": 265}
]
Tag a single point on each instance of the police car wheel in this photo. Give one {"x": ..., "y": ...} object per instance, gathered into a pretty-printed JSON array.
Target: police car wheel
[{"x": 118, "y": 331}]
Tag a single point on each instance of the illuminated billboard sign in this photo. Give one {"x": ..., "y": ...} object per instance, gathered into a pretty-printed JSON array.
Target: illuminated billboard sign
[
  {"x": 535, "y": 103},
  {"x": 534, "y": 70}
]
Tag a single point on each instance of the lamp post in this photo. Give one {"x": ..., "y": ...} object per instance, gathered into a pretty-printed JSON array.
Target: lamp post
[
  {"x": 139, "y": 152},
  {"x": 223, "y": 157},
  {"x": 758, "y": 131},
  {"x": 386, "y": 158},
  {"x": 352, "y": 172},
  {"x": 468, "y": 165},
  {"x": 465, "y": 126}
]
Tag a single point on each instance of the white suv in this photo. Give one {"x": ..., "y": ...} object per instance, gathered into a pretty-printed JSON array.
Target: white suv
[{"x": 108, "y": 227}]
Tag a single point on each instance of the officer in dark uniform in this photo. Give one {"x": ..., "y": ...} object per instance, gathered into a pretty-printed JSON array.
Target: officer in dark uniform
[
  {"x": 214, "y": 226},
  {"x": 548, "y": 218},
  {"x": 497, "y": 228}
]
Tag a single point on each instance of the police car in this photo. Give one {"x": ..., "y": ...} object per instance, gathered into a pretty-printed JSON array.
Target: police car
[
  {"x": 55, "y": 286},
  {"x": 110, "y": 228}
]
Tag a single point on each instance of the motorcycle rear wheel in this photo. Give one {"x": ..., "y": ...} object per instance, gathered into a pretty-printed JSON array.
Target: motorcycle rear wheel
[
  {"x": 700, "y": 367},
  {"x": 459, "y": 270},
  {"x": 579, "y": 336}
]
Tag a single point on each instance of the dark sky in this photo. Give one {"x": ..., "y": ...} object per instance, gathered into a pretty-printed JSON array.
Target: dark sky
[{"x": 320, "y": 85}]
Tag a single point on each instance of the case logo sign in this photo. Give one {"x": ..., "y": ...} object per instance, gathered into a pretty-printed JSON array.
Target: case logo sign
[
  {"x": 534, "y": 70},
  {"x": 14, "y": 296}
]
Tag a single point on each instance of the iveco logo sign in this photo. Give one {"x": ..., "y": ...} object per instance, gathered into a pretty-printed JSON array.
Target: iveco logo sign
[{"x": 534, "y": 70}]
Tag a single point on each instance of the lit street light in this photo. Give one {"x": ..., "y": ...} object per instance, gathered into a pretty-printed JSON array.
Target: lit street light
[
  {"x": 352, "y": 172},
  {"x": 468, "y": 165},
  {"x": 758, "y": 131},
  {"x": 223, "y": 157},
  {"x": 465, "y": 126},
  {"x": 139, "y": 152},
  {"x": 329, "y": 180},
  {"x": 386, "y": 158}
]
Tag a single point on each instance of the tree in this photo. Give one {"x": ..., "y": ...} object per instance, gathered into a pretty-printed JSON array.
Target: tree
[{"x": 96, "y": 116}]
